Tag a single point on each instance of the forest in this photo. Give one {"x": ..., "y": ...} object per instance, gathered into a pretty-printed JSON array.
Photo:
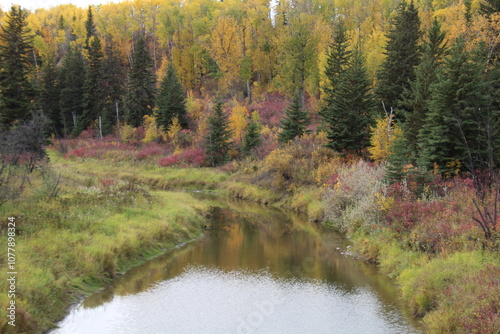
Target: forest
[{"x": 378, "y": 118}]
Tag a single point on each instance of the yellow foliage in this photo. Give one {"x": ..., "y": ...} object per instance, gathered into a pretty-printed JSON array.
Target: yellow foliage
[
  {"x": 238, "y": 121},
  {"x": 383, "y": 135},
  {"x": 152, "y": 131},
  {"x": 384, "y": 203},
  {"x": 173, "y": 131},
  {"x": 127, "y": 132}
]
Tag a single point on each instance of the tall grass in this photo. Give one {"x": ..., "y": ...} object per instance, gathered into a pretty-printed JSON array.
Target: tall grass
[{"x": 70, "y": 244}]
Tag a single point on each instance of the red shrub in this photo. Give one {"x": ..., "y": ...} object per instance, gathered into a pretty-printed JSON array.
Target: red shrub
[
  {"x": 149, "y": 151},
  {"x": 169, "y": 161}
]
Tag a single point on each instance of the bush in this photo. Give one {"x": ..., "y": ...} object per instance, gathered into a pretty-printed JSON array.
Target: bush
[{"x": 353, "y": 201}]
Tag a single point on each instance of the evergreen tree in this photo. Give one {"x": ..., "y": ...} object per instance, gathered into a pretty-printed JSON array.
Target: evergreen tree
[
  {"x": 171, "y": 100},
  {"x": 416, "y": 98},
  {"x": 16, "y": 47},
  {"x": 90, "y": 30},
  {"x": 349, "y": 112},
  {"x": 217, "y": 141},
  {"x": 403, "y": 55},
  {"x": 452, "y": 129},
  {"x": 72, "y": 81},
  {"x": 94, "y": 95},
  {"x": 295, "y": 122},
  {"x": 252, "y": 138},
  {"x": 50, "y": 95},
  {"x": 113, "y": 76},
  {"x": 140, "y": 96},
  {"x": 338, "y": 58}
]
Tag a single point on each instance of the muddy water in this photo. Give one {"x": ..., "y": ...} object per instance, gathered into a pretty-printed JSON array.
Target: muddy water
[{"x": 257, "y": 270}]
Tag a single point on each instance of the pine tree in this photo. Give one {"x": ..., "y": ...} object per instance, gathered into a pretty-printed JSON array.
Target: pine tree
[
  {"x": 218, "y": 140},
  {"x": 349, "y": 112},
  {"x": 50, "y": 95},
  {"x": 72, "y": 81},
  {"x": 140, "y": 97},
  {"x": 171, "y": 100},
  {"x": 403, "y": 55},
  {"x": 252, "y": 138},
  {"x": 94, "y": 95},
  {"x": 416, "y": 98},
  {"x": 16, "y": 46},
  {"x": 295, "y": 122}
]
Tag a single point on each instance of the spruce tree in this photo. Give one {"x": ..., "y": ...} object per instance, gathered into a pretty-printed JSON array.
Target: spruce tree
[
  {"x": 349, "y": 112},
  {"x": 90, "y": 29},
  {"x": 140, "y": 96},
  {"x": 218, "y": 139},
  {"x": 50, "y": 95},
  {"x": 252, "y": 138},
  {"x": 295, "y": 121},
  {"x": 452, "y": 129},
  {"x": 94, "y": 95},
  {"x": 416, "y": 98},
  {"x": 338, "y": 57},
  {"x": 114, "y": 76},
  {"x": 16, "y": 47},
  {"x": 72, "y": 81},
  {"x": 402, "y": 56},
  {"x": 171, "y": 100}
]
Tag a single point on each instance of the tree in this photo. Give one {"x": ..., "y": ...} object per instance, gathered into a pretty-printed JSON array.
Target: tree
[
  {"x": 171, "y": 100},
  {"x": 90, "y": 30},
  {"x": 16, "y": 48},
  {"x": 217, "y": 141},
  {"x": 94, "y": 94},
  {"x": 114, "y": 76},
  {"x": 402, "y": 55},
  {"x": 338, "y": 58},
  {"x": 252, "y": 138},
  {"x": 50, "y": 96},
  {"x": 295, "y": 122},
  {"x": 452, "y": 130},
  {"x": 348, "y": 112},
  {"x": 72, "y": 81},
  {"x": 140, "y": 96},
  {"x": 416, "y": 98}
]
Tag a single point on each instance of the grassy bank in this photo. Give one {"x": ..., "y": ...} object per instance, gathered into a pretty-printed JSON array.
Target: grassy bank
[{"x": 102, "y": 221}]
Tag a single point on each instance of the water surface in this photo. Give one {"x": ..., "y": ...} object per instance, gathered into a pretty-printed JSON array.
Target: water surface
[{"x": 257, "y": 270}]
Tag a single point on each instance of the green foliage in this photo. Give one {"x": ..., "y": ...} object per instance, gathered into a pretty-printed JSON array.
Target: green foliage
[
  {"x": 50, "y": 95},
  {"x": 403, "y": 55},
  {"x": 453, "y": 126},
  {"x": 140, "y": 96},
  {"x": 94, "y": 94},
  {"x": 295, "y": 121},
  {"x": 171, "y": 100},
  {"x": 252, "y": 137},
  {"x": 416, "y": 98},
  {"x": 217, "y": 140},
  {"x": 16, "y": 49},
  {"x": 348, "y": 112},
  {"x": 72, "y": 81},
  {"x": 338, "y": 58}
]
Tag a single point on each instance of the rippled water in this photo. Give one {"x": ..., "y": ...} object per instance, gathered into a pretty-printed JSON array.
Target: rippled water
[{"x": 258, "y": 271}]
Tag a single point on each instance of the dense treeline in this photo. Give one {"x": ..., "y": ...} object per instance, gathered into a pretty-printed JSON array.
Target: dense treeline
[{"x": 428, "y": 66}]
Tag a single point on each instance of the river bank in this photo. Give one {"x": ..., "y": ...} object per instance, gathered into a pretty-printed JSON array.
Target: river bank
[{"x": 93, "y": 228}]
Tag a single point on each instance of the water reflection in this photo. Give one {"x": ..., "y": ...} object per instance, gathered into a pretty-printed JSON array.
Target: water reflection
[{"x": 258, "y": 270}]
